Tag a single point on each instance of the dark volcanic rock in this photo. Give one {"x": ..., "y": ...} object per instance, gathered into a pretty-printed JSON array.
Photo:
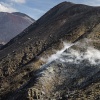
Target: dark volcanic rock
[
  {"x": 1, "y": 45},
  {"x": 26, "y": 75}
]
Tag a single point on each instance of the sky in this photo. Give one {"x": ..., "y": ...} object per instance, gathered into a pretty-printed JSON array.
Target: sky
[{"x": 36, "y": 8}]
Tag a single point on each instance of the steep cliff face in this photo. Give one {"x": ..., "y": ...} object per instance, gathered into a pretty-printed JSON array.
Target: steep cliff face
[
  {"x": 57, "y": 57},
  {"x": 11, "y": 24}
]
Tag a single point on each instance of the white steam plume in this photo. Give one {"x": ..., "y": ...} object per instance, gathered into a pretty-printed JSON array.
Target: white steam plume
[
  {"x": 91, "y": 55},
  {"x": 59, "y": 52}
]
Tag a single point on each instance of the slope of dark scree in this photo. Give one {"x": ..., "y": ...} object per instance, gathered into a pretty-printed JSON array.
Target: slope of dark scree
[{"x": 21, "y": 76}]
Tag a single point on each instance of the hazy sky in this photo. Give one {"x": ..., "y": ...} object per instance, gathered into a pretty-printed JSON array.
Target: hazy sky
[{"x": 36, "y": 8}]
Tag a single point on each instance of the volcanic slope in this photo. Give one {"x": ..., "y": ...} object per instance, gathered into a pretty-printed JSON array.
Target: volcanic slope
[
  {"x": 11, "y": 24},
  {"x": 26, "y": 74}
]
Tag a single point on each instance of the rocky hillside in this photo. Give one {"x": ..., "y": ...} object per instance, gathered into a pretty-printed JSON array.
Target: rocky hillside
[
  {"x": 11, "y": 24},
  {"x": 57, "y": 57}
]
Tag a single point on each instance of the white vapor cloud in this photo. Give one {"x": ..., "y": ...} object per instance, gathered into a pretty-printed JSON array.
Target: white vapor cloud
[
  {"x": 91, "y": 2},
  {"x": 6, "y": 8},
  {"x": 19, "y": 1},
  {"x": 58, "y": 53},
  {"x": 90, "y": 55}
]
